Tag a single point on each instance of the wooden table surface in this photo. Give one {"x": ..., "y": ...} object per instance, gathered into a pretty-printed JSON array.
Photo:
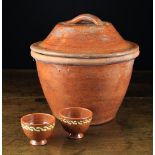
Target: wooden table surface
[{"x": 129, "y": 134}]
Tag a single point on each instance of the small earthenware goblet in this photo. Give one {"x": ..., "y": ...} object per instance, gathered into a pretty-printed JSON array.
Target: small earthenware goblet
[
  {"x": 38, "y": 127},
  {"x": 75, "y": 120}
]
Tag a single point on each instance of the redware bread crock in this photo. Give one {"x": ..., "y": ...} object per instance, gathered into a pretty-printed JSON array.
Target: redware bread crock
[{"x": 84, "y": 62}]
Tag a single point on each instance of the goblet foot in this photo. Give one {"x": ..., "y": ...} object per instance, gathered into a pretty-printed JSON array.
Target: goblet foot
[
  {"x": 34, "y": 142},
  {"x": 76, "y": 136}
]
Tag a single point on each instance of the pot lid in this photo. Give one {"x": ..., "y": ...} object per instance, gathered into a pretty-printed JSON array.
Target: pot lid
[{"x": 84, "y": 36}]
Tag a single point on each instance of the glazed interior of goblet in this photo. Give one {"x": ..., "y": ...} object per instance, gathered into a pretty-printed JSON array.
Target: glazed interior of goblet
[
  {"x": 76, "y": 113},
  {"x": 38, "y": 119}
]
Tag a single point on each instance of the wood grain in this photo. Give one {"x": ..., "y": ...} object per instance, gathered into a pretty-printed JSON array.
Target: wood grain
[{"x": 129, "y": 134}]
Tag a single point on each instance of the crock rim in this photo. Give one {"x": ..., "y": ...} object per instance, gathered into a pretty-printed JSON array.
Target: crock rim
[{"x": 40, "y": 50}]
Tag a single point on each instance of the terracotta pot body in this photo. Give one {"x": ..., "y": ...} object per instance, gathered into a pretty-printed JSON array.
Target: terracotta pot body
[
  {"x": 98, "y": 88},
  {"x": 93, "y": 75}
]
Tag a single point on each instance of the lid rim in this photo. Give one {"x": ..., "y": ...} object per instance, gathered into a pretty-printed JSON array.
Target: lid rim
[
  {"x": 40, "y": 50},
  {"x": 83, "y": 62}
]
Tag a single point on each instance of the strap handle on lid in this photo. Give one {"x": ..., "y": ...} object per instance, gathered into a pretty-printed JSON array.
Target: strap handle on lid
[{"x": 86, "y": 17}]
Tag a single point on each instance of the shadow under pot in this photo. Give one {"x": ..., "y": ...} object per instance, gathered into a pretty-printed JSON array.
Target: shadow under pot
[{"x": 84, "y": 62}]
